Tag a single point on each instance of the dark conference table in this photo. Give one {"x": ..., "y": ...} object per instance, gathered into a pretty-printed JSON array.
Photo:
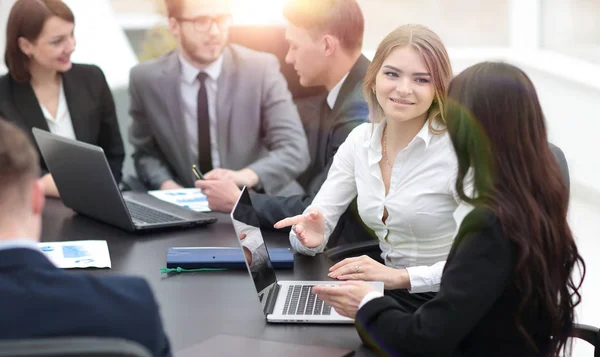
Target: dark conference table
[{"x": 197, "y": 306}]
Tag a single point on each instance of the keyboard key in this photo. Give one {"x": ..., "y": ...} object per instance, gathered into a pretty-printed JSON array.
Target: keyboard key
[{"x": 303, "y": 298}]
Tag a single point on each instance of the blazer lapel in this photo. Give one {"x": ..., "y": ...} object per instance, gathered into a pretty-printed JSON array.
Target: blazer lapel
[
  {"x": 76, "y": 105},
  {"x": 27, "y": 106},
  {"x": 171, "y": 92},
  {"x": 226, "y": 85},
  {"x": 356, "y": 74}
]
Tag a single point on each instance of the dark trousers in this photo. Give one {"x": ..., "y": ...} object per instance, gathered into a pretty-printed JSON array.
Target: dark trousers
[{"x": 410, "y": 302}]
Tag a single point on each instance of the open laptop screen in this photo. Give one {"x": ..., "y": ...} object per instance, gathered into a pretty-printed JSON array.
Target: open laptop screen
[{"x": 245, "y": 223}]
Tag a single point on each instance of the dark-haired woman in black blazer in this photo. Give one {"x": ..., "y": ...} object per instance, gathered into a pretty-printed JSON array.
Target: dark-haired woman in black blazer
[
  {"x": 507, "y": 288},
  {"x": 44, "y": 89}
]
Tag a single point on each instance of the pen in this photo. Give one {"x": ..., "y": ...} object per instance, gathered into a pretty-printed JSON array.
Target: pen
[{"x": 197, "y": 173}]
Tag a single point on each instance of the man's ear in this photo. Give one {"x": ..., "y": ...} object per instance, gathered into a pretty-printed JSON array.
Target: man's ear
[
  {"x": 37, "y": 197},
  {"x": 331, "y": 44},
  {"x": 174, "y": 26}
]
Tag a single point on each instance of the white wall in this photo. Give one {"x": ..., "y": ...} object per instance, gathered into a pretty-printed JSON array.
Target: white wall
[{"x": 5, "y": 6}]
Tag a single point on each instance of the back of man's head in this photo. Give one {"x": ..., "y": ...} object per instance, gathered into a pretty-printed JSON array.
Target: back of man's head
[
  {"x": 340, "y": 18},
  {"x": 19, "y": 168}
]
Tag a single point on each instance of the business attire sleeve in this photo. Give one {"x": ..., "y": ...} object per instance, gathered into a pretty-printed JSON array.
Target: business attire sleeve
[
  {"x": 109, "y": 135},
  {"x": 271, "y": 209},
  {"x": 284, "y": 136},
  {"x": 337, "y": 191},
  {"x": 476, "y": 275},
  {"x": 150, "y": 163},
  {"x": 357, "y": 115}
]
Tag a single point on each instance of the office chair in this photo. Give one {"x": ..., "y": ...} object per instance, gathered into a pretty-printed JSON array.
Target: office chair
[
  {"x": 370, "y": 246},
  {"x": 587, "y": 333},
  {"x": 72, "y": 347}
]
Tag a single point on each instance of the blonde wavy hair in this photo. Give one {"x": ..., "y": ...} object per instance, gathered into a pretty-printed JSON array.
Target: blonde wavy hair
[{"x": 435, "y": 56}]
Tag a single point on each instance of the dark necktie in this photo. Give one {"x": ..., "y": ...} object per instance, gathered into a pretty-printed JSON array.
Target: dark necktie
[{"x": 204, "y": 155}]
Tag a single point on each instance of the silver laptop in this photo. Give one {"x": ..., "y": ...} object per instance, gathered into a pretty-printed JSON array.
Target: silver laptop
[
  {"x": 87, "y": 185},
  {"x": 281, "y": 301}
]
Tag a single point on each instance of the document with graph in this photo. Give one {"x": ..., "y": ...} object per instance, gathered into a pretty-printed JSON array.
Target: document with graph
[
  {"x": 77, "y": 254},
  {"x": 191, "y": 198}
]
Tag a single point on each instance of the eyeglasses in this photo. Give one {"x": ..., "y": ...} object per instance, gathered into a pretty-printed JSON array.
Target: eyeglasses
[{"x": 204, "y": 23}]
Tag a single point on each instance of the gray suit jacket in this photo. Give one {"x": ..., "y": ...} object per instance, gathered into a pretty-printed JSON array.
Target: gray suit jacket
[{"x": 258, "y": 125}]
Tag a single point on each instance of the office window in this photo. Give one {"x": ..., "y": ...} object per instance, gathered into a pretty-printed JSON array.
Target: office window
[
  {"x": 462, "y": 23},
  {"x": 572, "y": 27}
]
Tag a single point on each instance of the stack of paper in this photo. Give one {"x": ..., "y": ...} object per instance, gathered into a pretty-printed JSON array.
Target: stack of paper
[
  {"x": 191, "y": 198},
  {"x": 77, "y": 254}
]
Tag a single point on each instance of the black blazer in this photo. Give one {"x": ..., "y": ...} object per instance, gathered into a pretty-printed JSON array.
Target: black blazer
[
  {"x": 473, "y": 314},
  {"x": 325, "y": 130},
  {"x": 39, "y": 300},
  {"x": 91, "y": 107}
]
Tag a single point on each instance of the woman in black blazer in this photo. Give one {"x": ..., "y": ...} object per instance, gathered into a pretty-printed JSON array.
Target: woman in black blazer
[
  {"x": 43, "y": 89},
  {"x": 507, "y": 286}
]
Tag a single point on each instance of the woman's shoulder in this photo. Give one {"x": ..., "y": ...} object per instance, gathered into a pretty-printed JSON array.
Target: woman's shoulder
[
  {"x": 363, "y": 132},
  {"x": 480, "y": 220},
  {"x": 87, "y": 71}
]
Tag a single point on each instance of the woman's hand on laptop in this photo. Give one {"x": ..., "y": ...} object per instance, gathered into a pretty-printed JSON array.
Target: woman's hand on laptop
[
  {"x": 367, "y": 269},
  {"x": 309, "y": 227},
  {"x": 344, "y": 298}
]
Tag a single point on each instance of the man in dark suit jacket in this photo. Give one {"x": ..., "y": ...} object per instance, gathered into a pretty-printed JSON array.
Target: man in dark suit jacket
[
  {"x": 329, "y": 57},
  {"x": 39, "y": 300}
]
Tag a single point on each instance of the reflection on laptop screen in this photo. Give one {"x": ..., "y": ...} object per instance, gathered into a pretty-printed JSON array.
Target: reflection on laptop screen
[{"x": 245, "y": 223}]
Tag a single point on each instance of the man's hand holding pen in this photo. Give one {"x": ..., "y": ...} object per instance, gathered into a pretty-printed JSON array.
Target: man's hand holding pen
[{"x": 222, "y": 186}]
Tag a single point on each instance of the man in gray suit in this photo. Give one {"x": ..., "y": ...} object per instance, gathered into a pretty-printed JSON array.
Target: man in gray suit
[{"x": 223, "y": 107}]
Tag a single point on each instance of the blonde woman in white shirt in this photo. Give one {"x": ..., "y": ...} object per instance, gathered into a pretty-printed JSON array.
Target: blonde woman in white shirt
[{"x": 402, "y": 169}]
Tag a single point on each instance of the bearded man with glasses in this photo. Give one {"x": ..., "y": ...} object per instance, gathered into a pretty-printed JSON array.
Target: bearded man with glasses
[{"x": 220, "y": 106}]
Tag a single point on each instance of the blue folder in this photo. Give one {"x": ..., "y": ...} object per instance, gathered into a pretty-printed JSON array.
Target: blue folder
[{"x": 222, "y": 257}]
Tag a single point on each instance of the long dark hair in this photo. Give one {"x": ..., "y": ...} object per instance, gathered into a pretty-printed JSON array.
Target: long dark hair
[{"x": 497, "y": 129}]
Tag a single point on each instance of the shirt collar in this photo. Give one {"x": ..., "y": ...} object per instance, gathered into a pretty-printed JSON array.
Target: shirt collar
[
  {"x": 425, "y": 134},
  {"x": 335, "y": 91},
  {"x": 189, "y": 73},
  {"x": 19, "y": 243},
  {"x": 375, "y": 141}
]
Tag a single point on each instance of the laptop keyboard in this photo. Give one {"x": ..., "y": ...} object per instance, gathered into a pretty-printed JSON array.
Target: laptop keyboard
[
  {"x": 301, "y": 301},
  {"x": 148, "y": 215}
]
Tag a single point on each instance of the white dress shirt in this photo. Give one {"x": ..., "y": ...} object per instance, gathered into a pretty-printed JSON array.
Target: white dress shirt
[
  {"x": 420, "y": 227},
  {"x": 189, "y": 86},
  {"x": 335, "y": 91},
  {"x": 61, "y": 124}
]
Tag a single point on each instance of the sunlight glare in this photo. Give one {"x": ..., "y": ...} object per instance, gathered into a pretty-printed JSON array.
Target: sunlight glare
[{"x": 258, "y": 12}]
